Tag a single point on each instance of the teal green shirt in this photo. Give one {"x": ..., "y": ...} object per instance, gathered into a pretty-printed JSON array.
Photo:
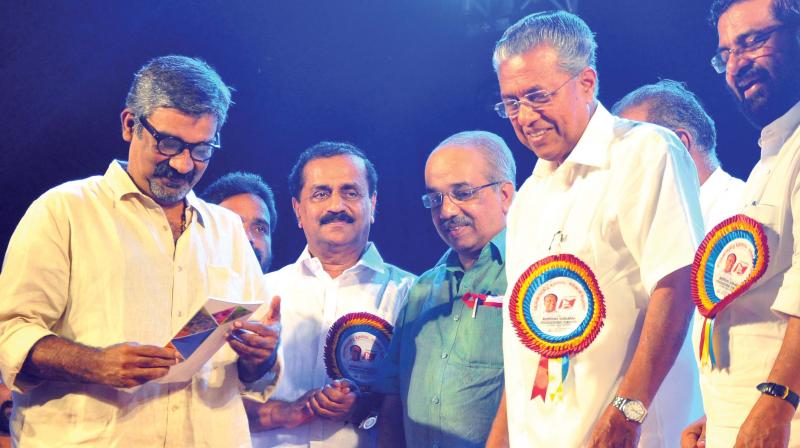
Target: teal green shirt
[{"x": 446, "y": 365}]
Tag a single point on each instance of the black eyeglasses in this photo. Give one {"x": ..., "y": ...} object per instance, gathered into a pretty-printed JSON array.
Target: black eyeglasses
[
  {"x": 171, "y": 146},
  {"x": 748, "y": 44},
  {"x": 435, "y": 199},
  {"x": 509, "y": 108}
]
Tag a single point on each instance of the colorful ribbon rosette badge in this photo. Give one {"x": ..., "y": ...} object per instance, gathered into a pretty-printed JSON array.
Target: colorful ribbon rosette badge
[
  {"x": 354, "y": 345},
  {"x": 556, "y": 309},
  {"x": 732, "y": 257}
]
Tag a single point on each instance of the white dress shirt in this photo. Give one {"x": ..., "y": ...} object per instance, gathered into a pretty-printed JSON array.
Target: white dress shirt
[
  {"x": 749, "y": 331},
  {"x": 625, "y": 201},
  {"x": 311, "y": 301},
  {"x": 720, "y": 197},
  {"x": 94, "y": 261}
]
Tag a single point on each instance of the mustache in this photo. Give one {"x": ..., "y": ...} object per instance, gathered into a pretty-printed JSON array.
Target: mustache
[
  {"x": 164, "y": 170},
  {"x": 456, "y": 221},
  {"x": 336, "y": 216}
]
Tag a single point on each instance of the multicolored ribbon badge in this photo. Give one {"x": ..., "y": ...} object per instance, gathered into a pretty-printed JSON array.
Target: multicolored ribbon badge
[
  {"x": 354, "y": 345},
  {"x": 557, "y": 309},
  {"x": 731, "y": 258}
]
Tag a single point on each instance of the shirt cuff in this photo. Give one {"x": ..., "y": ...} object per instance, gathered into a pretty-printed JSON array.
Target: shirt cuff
[
  {"x": 787, "y": 301},
  {"x": 261, "y": 389},
  {"x": 19, "y": 344}
]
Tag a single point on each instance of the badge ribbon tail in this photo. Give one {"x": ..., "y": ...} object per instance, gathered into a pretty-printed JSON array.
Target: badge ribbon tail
[
  {"x": 560, "y": 370},
  {"x": 540, "y": 380},
  {"x": 706, "y": 352}
]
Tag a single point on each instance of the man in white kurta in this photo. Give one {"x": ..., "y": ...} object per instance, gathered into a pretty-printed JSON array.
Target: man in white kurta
[
  {"x": 622, "y": 197},
  {"x": 101, "y": 273},
  {"x": 339, "y": 272},
  {"x": 756, "y": 336}
]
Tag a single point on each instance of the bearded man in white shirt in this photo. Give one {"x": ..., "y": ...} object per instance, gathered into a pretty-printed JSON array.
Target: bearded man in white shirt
[
  {"x": 608, "y": 221},
  {"x": 101, "y": 273},
  {"x": 340, "y": 272},
  {"x": 750, "y": 395}
]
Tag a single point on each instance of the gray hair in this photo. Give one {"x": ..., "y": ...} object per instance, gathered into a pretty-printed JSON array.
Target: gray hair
[
  {"x": 187, "y": 84},
  {"x": 567, "y": 33},
  {"x": 671, "y": 105},
  {"x": 499, "y": 161}
]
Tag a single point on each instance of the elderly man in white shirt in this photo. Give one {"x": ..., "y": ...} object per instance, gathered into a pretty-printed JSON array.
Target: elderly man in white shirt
[
  {"x": 334, "y": 193},
  {"x": 670, "y": 104},
  {"x": 750, "y": 395},
  {"x": 600, "y": 239},
  {"x": 101, "y": 273}
]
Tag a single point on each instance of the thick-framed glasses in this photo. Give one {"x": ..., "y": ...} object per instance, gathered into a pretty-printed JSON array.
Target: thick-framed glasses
[
  {"x": 435, "y": 199},
  {"x": 509, "y": 108},
  {"x": 170, "y": 146},
  {"x": 748, "y": 44}
]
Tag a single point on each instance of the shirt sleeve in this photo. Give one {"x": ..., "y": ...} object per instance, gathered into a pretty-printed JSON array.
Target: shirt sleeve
[
  {"x": 34, "y": 284},
  {"x": 388, "y": 381},
  {"x": 659, "y": 211},
  {"x": 787, "y": 300}
]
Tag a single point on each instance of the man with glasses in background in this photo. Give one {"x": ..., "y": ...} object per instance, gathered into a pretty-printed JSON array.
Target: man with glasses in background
[
  {"x": 750, "y": 396},
  {"x": 609, "y": 222},
  {"x": 444, "y": 371},
  {"x": 101, "y": 273}
]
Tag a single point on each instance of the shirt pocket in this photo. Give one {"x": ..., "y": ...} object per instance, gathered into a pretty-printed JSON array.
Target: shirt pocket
[
  {"x": 768, "y": 216},
  {"x": 478, "y": 341},
  {"x": 224, "y": 283}
]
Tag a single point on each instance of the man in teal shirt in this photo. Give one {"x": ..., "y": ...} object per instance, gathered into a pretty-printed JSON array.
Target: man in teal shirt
[{"x": 443, "y": 375}]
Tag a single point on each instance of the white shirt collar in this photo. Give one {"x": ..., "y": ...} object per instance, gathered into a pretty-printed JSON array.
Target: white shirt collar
[
  {"x": 591, "y": 149},
  {"x": 775, "y": 134},
  {"x": 371, "y": 259}
]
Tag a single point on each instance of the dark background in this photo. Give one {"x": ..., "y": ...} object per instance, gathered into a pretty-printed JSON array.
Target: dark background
[{"x": 393, "y": 77}]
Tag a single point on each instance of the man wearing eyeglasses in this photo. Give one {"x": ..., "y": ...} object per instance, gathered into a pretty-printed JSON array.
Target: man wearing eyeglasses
[
  {"x": 444, "y": 371},
  {"x": 334, "y": 189},
  {"x": 750, "y": 396},
  {"x": 101, "y": 273},
  {"x": 610, "y": 203}
]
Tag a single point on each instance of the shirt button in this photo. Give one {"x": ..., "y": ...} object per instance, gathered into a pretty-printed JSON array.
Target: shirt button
[
  {"x": 166, "y": 229},
  {"x": 180, "y": 313},
  {"x": 174, "y": 408},
  {"x": 435, "y": 400},
  {"x": 444, "y": 355},
  {"x": 456, "y": 317},
  {"x": 180, "y": 268}
]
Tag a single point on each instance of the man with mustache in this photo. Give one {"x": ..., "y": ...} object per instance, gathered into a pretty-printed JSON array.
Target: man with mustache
[
  {"x": 611, "y": 202},
  {"x": 750, "y": 397},
  {"x": 334, "y": 194},
  {"x": 444, "y": 371},
  {"x": 248, "y": 196},
  {"x": 101, "y": 273}
]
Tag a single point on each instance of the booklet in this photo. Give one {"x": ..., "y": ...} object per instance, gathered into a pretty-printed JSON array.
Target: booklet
[{"x": 203, "y": 335}]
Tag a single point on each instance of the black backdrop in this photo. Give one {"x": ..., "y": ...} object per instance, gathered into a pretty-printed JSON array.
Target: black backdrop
[{"x": 393, "y": 77}]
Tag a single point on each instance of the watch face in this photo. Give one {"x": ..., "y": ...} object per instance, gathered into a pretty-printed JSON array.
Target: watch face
[{"x": 634, "y": 410}]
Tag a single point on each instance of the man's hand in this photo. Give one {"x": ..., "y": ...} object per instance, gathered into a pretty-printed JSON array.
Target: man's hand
[
  {"x": 336, "y": 401},
  {"x": 279, "y": 414},
  {"x": 257, "y": 342},
  {"x": 767, "y": 425},
  {"x": 694, "y": 436},
  {"x": 129, "y": 365},
  {"x": 613, "y": 430}
]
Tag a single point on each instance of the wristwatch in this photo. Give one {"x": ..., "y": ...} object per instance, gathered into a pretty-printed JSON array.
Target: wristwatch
[
  {"x": 780, "y": 391},
  {"x": 633, "y": 410}
]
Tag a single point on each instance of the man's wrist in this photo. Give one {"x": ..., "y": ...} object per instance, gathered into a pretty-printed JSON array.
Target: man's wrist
[{"x": 779, "y": 391}]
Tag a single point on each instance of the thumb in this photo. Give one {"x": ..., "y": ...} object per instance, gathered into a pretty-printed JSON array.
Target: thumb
[{"x": 273, "y": 315}]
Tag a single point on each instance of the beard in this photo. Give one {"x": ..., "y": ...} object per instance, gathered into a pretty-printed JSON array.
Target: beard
[
  {"x": 170, "y": 195},
  {"x": 775, "y": 96}
]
